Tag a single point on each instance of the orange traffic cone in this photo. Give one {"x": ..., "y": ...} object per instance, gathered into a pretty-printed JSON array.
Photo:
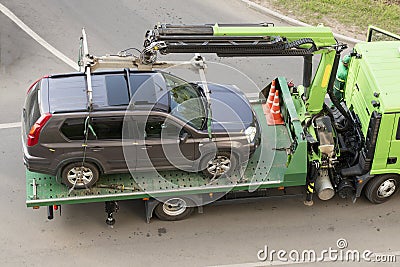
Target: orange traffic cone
[
  {"x": 276, "y": 116},
  {"x": 271, "y": 95}
]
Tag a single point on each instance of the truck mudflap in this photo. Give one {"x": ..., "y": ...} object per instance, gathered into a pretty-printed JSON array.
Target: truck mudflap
[{"x": 360, "y": 182}]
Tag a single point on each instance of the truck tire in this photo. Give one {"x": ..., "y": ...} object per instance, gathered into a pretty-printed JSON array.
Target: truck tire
[
  {"x": 381, "y": 188},
  {"x": 174, "y": 209},
  {"x": 223, "y": 164},
  {"x": 71, "y": 172}
]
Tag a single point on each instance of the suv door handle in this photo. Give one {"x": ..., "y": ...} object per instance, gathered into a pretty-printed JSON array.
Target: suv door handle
[
  {"x": 97, "y": 149},
  {"x": 146, "y": 146}
]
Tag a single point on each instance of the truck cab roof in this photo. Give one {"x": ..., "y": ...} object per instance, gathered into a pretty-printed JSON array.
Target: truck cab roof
[{"x": 381, "y": 65}]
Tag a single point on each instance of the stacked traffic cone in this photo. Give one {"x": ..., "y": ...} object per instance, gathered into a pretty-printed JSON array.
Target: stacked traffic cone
[
  {"x": 271, "y": 95},
  {"x": 276, "y": 111},
  {"x": 271, "y": 109}
]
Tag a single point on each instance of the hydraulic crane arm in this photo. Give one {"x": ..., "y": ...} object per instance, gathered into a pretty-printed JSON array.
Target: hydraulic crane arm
[
  {"x": 243, "y": 40},
  {"x": 235, "y": 40},
  {"x": 239, "y": 39}
]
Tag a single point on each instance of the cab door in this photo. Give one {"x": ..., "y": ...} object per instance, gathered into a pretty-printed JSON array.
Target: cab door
[{"x": 393, "y": 159}]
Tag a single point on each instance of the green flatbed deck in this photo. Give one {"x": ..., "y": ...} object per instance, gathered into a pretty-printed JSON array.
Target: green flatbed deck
[{"x": 266, "y": 169}]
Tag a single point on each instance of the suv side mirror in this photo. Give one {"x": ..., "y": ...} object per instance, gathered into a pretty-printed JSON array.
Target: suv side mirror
[{"x": 183, "y": 138}]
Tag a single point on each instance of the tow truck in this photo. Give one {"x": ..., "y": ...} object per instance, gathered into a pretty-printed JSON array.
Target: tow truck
[{"x": 323, "y": 146}]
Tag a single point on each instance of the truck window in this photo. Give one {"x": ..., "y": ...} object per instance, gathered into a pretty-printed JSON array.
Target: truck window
[{"x": 398, "y": 130}]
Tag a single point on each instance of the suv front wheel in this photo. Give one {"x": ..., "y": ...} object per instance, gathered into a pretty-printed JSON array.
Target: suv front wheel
[
  {"x": 223, "y": 164},
  {"x": 80, "y": 175}
]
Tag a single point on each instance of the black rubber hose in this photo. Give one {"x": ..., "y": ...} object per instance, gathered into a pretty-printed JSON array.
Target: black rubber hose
[
  {"x": 332, "y": 96},
  {"x": 336, "y": 125}
]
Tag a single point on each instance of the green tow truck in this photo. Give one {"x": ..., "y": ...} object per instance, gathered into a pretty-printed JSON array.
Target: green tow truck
[{"x": 323, "y": 146}]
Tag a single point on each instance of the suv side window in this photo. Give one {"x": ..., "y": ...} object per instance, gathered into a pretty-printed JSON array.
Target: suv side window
[
  {"x": 157, "y": 127},
  {"x": 103, "y": 128},
  {"x": 108, "y": 127},
  {"x": 74, "y": 128}
]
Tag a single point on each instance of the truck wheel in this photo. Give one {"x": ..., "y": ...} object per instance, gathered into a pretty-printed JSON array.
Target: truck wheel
[
  {"x": 223, "y": 164},
  {"x": 381, "y": 188},
  {"x": 173, "y": 209},
  {"x": 81, "y": 176}
]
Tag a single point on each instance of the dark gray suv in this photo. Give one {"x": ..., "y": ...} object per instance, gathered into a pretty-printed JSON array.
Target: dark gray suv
[{"x": 139, "y": 121}]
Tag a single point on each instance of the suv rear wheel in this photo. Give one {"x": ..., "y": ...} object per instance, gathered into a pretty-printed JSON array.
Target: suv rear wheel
[{"x": 80, "y": 176}]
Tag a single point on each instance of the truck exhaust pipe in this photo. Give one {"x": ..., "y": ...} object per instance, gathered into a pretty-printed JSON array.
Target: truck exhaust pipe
[{"x": 323, "y": 186}]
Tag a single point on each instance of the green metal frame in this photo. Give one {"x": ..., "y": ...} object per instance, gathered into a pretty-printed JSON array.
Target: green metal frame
[{"x": 322, "y": 36}]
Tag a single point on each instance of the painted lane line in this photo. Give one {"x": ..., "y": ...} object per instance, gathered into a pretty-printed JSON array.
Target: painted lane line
[
  {"x": 10, "y": 125},
  {"x": 37, "y": 38}
]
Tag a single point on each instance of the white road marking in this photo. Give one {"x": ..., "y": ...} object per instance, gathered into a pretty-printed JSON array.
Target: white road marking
[
  {"x": 42, "y": 42},
  {"x": 37, "y": 38},
  {"x": 10, "y": 125}
]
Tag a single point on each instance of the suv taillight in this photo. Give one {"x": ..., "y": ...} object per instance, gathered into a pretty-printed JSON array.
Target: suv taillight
[{"x": 33, "y": 136}]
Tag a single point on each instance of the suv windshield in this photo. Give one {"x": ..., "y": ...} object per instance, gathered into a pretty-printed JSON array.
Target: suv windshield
[{"x": 185, "y": 101}]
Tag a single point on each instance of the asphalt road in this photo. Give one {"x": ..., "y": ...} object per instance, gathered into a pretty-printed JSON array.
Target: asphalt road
[{"x": 222, "y": 235}]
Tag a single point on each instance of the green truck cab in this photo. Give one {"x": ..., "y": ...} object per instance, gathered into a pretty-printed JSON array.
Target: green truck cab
[{"x": 372, "y": 94}]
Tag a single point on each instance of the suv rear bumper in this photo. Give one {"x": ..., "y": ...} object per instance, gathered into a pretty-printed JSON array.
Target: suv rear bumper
[{"x": 36, "y": 164}]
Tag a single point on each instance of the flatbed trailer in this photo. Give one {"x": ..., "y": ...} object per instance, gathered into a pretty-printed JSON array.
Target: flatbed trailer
[{"x": 271, "y": 167}]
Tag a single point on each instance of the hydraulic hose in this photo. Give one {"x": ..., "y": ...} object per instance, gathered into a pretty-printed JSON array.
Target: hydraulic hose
[{"x": 332, "y": 96}]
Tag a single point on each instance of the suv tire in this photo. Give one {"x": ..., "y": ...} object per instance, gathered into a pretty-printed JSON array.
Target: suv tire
[
  {"x": 71, "y": 172},
  {"x": 223, "y": 164}
]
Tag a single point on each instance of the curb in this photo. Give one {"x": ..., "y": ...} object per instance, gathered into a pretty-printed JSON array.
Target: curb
[{"x": 292, "y": 21}]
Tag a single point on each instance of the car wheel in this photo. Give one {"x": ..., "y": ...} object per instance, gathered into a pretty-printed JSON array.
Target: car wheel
[
  {"x": 74, "y": 174},
  {"x": 174, "y": 209},
  {"x": 223, "y": 164},
  {"x": 380, "y": 189}
]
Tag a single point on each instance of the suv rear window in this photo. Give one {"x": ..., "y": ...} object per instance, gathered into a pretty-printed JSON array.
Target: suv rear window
[
  {"x": 103, "y": 128},
  {"x": 31, "y": 111}
]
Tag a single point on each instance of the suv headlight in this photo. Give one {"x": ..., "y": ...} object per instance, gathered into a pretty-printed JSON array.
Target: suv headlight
[{"x": 250, "y": 133}]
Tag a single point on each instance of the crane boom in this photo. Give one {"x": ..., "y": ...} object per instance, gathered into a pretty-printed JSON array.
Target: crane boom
[{"x": 244, "y": 40}]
